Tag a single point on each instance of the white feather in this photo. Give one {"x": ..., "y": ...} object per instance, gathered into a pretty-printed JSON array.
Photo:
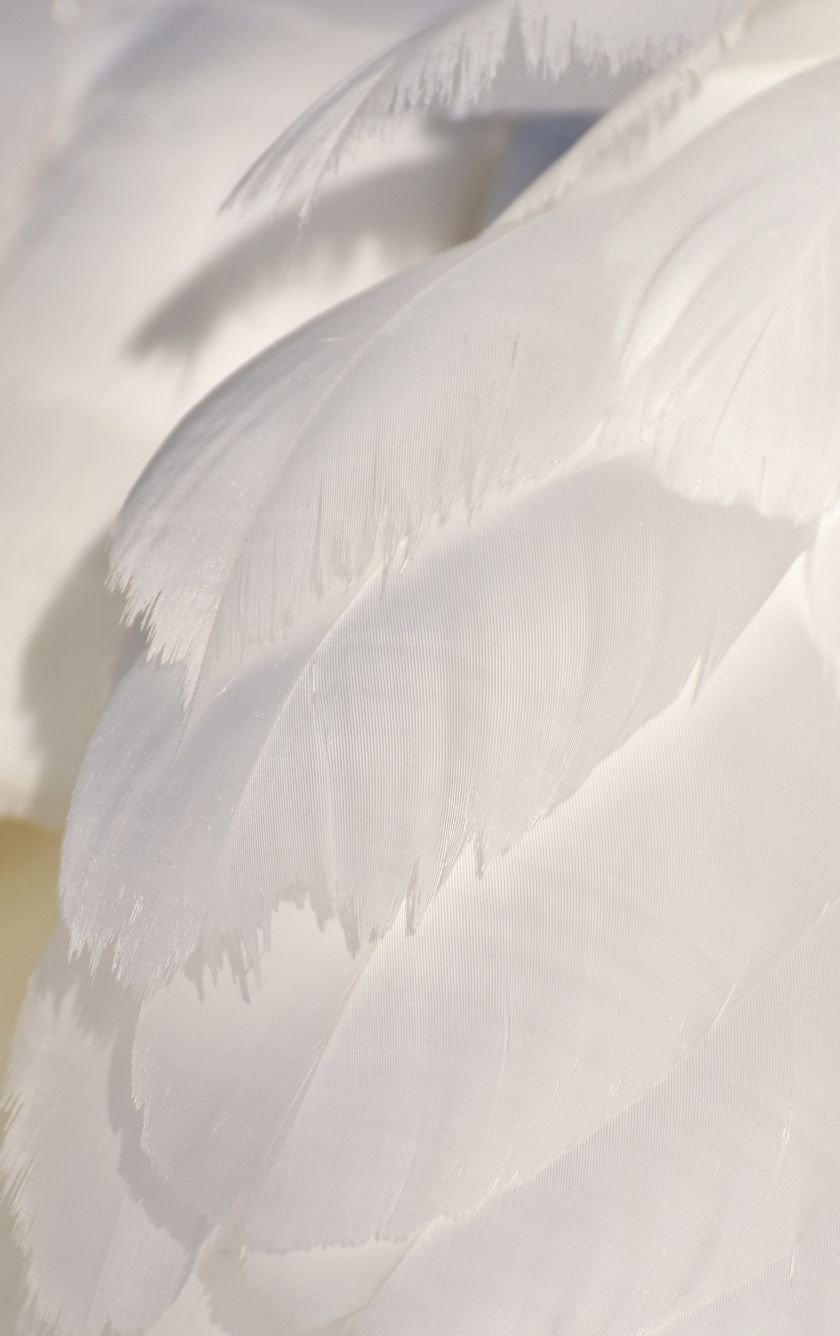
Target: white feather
[
  {"x": 103, "y": 1239},
  {"x": 185, "y": 1072},
  {"x": 798, "y": 1293},
  {"x": 766, "y": 44},
  {"x": 725, "y": 1167},
  {"x": 495, "y": 363},
  {"x": 749, "y": 288},
  {"x": 457, "y": 60},
  {"x": 124, "y": 297},
  {"x": 310, "y": 467},
  {"x": 311, "y": 1291},
  {"x": 612, "y": 937},
  {"x": 581, "y": 737},
  {"x": 486, "y": 676},
  {"x": 535, "y": 1004}
]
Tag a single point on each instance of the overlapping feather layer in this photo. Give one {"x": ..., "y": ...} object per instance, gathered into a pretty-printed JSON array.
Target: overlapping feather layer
[{"x": 460, "y": 871}]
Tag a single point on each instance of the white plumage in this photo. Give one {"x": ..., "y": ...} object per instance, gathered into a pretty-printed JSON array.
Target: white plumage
[
  {"x": 451, "y": 883},
  {"x": 125, "y": 296}
]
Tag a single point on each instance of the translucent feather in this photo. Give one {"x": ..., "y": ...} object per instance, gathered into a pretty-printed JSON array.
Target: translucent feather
[
  {"x": 656, "y": 319},
  {"x": 457, "y": 60},
  {"x": 514, "y": 652}
]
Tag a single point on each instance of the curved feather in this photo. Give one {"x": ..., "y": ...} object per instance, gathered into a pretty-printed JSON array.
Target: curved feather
[
  {"x": 611, "y": 937},
  {"x": 747, "y": 289},
  {"x": 798, "y": 1293},
  {"x": 498, "y": 642},
  {"x": 724, "y": 1168},
  {"x": 233, "y": 1293},
  {"x": 531, "y": 1008},
  {"x": 311, "y": 467},
  {"x": 280, "y": 1025},
  {"x": 493, "y": 364},
  {"x": 309, "y": 1292},
  {"x": 459, "y": 58},
  {"x": 768, "y": 43},
  {"x": 740, "y": 300},
  {"x": 73, "y": 1143},
  {"x": 192, "y": 1314},
  {"x": 533, "y": 657},
  {"x": 121, "y": 221}
]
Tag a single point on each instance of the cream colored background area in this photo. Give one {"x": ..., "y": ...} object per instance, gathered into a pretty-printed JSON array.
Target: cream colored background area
[{"x": 28, "y": 911}]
